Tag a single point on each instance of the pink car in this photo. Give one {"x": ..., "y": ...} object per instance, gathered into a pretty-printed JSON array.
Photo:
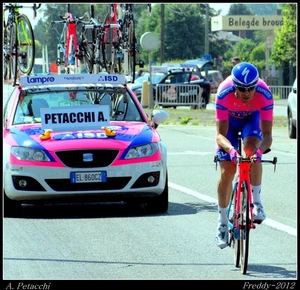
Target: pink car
[{"x": 81, "y": 138}]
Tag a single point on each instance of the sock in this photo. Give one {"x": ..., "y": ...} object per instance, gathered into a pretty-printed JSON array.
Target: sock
[
  {"x": 222, "y": 215},
  {"x": 256, "y": 193}
]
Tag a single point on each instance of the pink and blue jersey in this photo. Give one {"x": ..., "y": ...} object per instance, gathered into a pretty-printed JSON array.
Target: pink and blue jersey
[
  {"x": 240, "y": 116},
  {"x": 227, "y": 104}
]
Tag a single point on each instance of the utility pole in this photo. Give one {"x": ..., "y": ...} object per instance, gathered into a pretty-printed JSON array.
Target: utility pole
[
  {"x": 162, "y": 34},
  {"x": 206, "y": 30},
  {"x": 206, "y": 35}
]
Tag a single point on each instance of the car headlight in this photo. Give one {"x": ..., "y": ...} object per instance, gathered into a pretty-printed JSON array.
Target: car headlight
[
  {"x": 142, "y": 151},
  {"x": 31, "y": 154}
]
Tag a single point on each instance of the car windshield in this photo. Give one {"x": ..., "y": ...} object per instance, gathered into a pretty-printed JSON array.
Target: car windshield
[
  {"x": 31, "y": 101},
  {"x": 155, "y": 79}
]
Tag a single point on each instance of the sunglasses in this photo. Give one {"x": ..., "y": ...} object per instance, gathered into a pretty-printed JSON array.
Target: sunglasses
[{"x": 244, "y": 90}]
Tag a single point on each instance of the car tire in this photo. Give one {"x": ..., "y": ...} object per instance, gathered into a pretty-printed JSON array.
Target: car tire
[
  {"x": 291, "y": 126},
  {"x": 12, "y": 208},
  {"x": 160, "y": 203},
  {"x": 202, "y": 103}
]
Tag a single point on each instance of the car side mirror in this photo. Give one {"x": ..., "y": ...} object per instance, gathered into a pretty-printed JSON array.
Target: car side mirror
[{"x": 158, "y": 116}]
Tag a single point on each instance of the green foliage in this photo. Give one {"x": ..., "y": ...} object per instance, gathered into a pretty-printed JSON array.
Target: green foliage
[
  {"x": 284, "y": 50},
  {"x": 258, "y": 53},
  {"x": 184, "y": 121}
]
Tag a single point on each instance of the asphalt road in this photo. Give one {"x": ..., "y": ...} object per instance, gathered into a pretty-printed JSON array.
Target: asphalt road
[{"x": 86, "y": 244}]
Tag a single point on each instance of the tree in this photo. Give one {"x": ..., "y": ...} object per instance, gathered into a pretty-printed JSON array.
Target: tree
[{"x": 284, "y": 49}]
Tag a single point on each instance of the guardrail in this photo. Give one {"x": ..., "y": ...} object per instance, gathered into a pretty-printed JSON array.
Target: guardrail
[
  {"x": 280, "y": 94},
  {"x": 173, "y": 95}
]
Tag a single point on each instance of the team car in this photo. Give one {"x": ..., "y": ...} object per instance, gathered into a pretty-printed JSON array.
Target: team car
[
  {"x": 176, "y": 84},
  {"x": 81, "y": 138}
]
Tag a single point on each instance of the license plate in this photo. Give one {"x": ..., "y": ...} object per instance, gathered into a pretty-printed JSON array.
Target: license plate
[{"x": 87, "y": 177}]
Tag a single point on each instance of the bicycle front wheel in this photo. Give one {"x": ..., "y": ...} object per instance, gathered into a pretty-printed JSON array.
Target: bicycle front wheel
[
  {"x": 26, "y": 46},
  {"x": 244, "y": 228},
  {"x": 233, "y": 230}
]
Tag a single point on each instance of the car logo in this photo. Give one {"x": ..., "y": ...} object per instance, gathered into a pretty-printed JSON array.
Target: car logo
[{"x": 87, "y": 157}]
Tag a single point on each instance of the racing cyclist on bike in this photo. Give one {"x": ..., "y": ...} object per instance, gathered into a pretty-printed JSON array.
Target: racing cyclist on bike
[{"x": 243, "y": 103}]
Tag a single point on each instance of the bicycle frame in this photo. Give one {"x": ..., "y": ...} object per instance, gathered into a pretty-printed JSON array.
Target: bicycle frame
[{"x": 67, "y": 44}]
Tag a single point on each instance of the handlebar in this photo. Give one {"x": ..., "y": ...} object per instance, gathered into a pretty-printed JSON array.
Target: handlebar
[
  {"x": 77, "y": 19},
  {"x": 247, "y": 159},
  {"x": 35, "y": 7},
  {"x": 91, "y": 26}
]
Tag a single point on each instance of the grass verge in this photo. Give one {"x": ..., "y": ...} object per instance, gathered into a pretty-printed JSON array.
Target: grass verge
[{"x": 184, "y": 117}]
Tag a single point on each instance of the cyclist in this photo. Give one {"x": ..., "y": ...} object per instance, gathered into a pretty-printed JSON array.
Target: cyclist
[{"x": 243, "y": 103}]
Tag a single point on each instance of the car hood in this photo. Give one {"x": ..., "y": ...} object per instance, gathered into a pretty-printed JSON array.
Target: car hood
[{"x": 127, "y": 133}]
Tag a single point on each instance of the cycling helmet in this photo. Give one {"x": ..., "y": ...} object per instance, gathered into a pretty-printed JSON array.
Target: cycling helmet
[{"x": 244, "y": 75}]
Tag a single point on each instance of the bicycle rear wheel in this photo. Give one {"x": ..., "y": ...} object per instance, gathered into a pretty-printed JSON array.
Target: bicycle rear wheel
[
  {"x": 244, "y": 228},
  {"x": 108, "y": 39},
  {"x": 8, "y": 43},
  {"x": 26, "y": 46},
  {"x": 131, "y": 49},
  {"x": 233, "y": 231},
  {"x": 14, "y": 54}
]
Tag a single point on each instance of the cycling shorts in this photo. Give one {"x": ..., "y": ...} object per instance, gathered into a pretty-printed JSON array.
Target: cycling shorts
[{"x": 249, "y": 126}]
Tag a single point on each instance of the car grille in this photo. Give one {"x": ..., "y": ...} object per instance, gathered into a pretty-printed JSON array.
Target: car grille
[{"x": 75, "y": 158}]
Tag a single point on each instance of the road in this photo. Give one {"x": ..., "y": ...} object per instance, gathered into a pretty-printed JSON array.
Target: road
[{"x": 117, "y": 242}]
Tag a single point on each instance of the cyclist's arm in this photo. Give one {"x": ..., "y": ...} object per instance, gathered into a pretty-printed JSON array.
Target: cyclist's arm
[
  {"x": 267, "y": 139},
  {"x": 222, "y": 141}
]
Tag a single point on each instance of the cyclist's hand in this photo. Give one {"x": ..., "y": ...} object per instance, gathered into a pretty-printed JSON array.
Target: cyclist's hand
[
  {"x": 233, "y": 154},
  {"x": 257, "y": 155}
]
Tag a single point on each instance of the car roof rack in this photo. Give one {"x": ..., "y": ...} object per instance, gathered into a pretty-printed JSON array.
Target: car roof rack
[{"x": 72, "y": 79}]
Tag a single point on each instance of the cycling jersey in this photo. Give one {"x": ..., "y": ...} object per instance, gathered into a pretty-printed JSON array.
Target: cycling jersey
[
  {"x": 227, "y": 104},
  {"x": 242, "y": 117}
]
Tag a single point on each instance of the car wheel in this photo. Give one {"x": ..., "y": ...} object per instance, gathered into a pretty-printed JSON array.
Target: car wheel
[
  {"x": 12, "y": 208},
  {"x": 291, "y": 127},
  {"x": 160, "y": 203},
  {"x": 202, "y": 103}
]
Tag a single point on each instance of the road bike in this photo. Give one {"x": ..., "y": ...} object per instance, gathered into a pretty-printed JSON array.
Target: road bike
[
  {"x": 18, "y": 42},
  {"x": 129, "y": 42},
  {"x": 95, "y": 48},
  {"x": 67, "y": 47},
  {"x": 113, "y": 40},
  {"x": 240, "y": 209}
]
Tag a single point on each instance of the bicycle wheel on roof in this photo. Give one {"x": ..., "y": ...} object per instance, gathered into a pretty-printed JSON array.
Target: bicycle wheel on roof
[
  {"x": 108, "y": 40},
  {"x": 131, "y": 53},
  {"x": 26, "y": 45},
  {"x": 8, "y": 42}
]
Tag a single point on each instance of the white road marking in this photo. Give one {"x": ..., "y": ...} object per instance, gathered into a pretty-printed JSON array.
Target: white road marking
[
  {"x": 191, "y": 153},
  {"x": 269, "y": 222}
]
